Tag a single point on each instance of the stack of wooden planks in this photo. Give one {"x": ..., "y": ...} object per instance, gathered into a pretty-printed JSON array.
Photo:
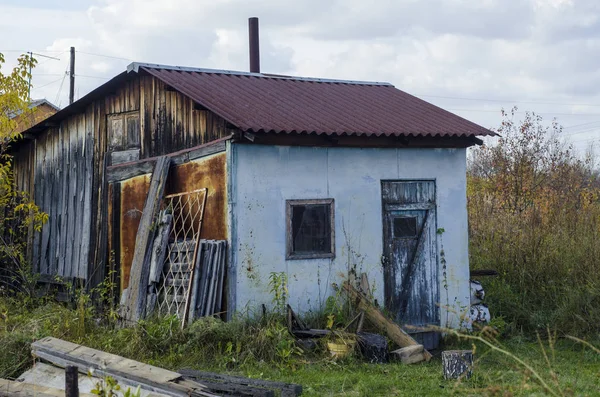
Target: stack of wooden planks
[{"x": 154, "y": 379}]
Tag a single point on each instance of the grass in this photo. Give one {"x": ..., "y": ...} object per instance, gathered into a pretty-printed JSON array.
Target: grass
[{"x": 265, "y": 350}]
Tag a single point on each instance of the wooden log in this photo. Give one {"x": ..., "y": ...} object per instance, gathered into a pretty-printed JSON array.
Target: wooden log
[
  {"x": 392, "y": 330},
  {"x": 71, "y": 381},
  {"x": 286, "y": 389},
  {"x": 457, "y": 364},
  {"x": 409, "y": 354},
  {"x": 140, "y": 267}
]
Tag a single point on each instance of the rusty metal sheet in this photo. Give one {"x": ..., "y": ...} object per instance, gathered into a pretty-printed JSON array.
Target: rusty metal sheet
[
  {"x": 133, "y": 197},
  {"x": 207, "y": 172}
]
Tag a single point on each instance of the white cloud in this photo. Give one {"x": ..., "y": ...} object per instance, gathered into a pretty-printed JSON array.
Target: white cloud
[{"x": 518, "y": 50}]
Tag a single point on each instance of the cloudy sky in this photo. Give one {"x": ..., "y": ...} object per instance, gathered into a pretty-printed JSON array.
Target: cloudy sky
[{"x": 472, "y": 57}]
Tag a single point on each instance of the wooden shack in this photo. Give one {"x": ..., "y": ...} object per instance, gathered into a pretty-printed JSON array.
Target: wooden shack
[{"x": 304, "y": 176}]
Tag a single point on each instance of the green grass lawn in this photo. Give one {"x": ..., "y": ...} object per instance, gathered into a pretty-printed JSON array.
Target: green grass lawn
[
  {"x": 577, "y": 373},
  {"x": 261, "y": 350}
]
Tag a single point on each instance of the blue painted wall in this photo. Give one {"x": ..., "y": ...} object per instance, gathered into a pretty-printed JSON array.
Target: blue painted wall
[{"x": 264, "y": 177}]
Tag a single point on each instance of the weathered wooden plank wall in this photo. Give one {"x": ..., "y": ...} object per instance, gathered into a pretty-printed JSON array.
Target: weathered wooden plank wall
[
  {"x": 64, "y": 170},
  {"x": 171, "y": 121}
]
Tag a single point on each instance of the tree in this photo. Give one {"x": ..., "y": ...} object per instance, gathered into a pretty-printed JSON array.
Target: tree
[
  {"x": 19, "y": 216},
  {"x": 534, "y": 216}
]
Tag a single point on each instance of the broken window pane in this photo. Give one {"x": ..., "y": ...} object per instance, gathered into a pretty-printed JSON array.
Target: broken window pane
[{"x": 405, "y": 227}]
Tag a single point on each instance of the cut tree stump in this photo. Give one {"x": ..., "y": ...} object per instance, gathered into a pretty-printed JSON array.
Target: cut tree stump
[
  {"x": 393, "y": 330},
  {"x": 457, "y": 364}
]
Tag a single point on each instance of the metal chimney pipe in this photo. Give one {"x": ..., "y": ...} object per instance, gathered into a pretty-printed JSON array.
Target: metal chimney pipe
[{"x": 254, "y": 45}]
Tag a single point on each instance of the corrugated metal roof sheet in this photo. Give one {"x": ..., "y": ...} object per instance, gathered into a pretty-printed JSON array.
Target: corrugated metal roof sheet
[{"x": 281, "y": 104}]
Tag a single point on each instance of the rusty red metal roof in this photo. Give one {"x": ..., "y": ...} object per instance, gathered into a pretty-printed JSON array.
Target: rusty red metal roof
[{"x": 257, "y": 102}]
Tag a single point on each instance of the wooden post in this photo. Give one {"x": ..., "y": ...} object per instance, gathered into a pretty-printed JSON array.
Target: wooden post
[
  {"x": 71, "y": 381},
  {"x": 457, "y": 364}
]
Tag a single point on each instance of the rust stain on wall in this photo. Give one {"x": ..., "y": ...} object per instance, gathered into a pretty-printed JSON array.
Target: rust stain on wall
[
  {"x": 133, "y": 197},
  {"x": 208, "y": 172}
]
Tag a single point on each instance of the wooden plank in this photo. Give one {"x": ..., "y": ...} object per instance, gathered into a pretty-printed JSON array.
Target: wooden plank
[
  {"x": 119, "y": 172},
  {"x": 409, "y": 354},
  {"x": 62, "y": 203},
  {"x": 9, "y": 388},
  {"x": 87, "y": 203},
  {"x": 140, "y": 267},
  {"x": 124, "y": 156},
  {"x": 70, "y": 200},
  {"x": 63, "y": 353},
  {"x": 130, "y": 170},
  {"x": 287, "y": 389},
  {"x": 393, "y": 330},
  {"x": 233, "y": 389},
  {"x": 45, "y": 182}
]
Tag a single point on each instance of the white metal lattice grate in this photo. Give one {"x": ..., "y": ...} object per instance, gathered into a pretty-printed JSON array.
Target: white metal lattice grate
[{"x": 187, "y": 211}]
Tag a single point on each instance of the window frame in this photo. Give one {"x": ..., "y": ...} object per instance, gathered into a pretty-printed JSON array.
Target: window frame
[{"x": 289, "y": 252}]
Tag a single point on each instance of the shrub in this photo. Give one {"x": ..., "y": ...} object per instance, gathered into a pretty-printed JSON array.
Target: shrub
[{"x": 535, "y": 218}]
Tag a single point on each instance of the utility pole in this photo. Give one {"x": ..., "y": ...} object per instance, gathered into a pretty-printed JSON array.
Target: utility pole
[
  {"x": 72, "y": 77},
  {"x": 31, "y": 54},
  {"x": 29, "y": 82}
]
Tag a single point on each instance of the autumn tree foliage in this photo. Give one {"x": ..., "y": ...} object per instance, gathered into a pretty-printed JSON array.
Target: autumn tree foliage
[
  {"x": 19, "y": 216},
  {"x": 535, "y": 217}
]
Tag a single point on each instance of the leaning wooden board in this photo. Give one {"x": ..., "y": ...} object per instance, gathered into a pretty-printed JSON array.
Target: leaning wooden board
[
  {"x": 9, "y": 388},
  {"x": 62, "y": 353},
  {"x": 393, "y": 330}
]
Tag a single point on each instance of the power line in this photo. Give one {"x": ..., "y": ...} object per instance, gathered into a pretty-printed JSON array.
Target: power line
[
  {"x": 42, "y": 86},
  {"x": 93, "y": 77},
  {"x": 26, "y": 51},
  {"x": 508, "y": 101},
  {"x": 549, "y": 114},
  {"x": 61, "y": 85},
  {"x": 104, "y": 56}
]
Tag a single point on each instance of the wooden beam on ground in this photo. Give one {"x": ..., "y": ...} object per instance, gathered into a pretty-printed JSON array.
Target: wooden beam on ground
[
  {"x": 286, "y": 389},
  {"x": 393, "y": 330},
  {"x": 135, "y": 307}
]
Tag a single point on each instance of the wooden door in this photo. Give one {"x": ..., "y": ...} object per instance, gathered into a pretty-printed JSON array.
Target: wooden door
[{"x": 411, "y": 283}]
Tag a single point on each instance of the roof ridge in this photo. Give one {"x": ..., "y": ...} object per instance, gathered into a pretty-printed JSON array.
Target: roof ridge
[{"x": 135, "y": 67}]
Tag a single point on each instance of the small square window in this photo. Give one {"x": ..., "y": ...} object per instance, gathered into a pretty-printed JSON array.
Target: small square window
[
  {"x": 310, "y": 229},
  {"x": 405, "y": 227}
]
